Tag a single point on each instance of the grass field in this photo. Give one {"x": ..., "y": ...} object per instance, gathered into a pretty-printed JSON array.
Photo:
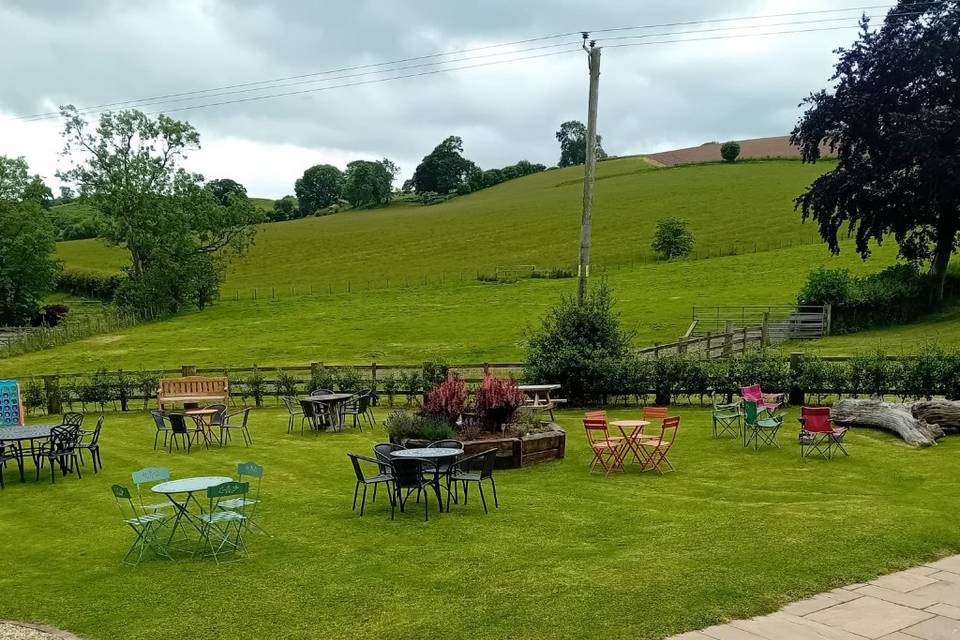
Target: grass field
[{"x": 730, "y": 534}]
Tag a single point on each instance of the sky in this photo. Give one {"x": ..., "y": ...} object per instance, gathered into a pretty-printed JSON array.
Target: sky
[{"x": 653, "y": 97}]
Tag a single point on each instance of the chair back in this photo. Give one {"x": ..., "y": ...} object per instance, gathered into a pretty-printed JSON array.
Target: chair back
[
  {"x": 445, "y": 444},
  {"x": 158, "y": 420},
  {"x": 487, "y": 461},
  {"x": 72, "y": 418},
  {"x": 250, "y": 470},
  {"x": 230, "y": 489},
  {"x": 292, "y": 404},
  {"x": 750, "y": 411},
  {"x": 816, "y": 419},
  {"x": 217, "y": 418},
  {"x": 668, "y": 430},
  {"x": 363, "y": 402},
  {"x": 408, "y": 472},
  {"x": 382, "y": 451},
  {"x": 245, "y": 412},
  {"x": 654, "y": 412},
  {"x": 597, "y": 432},
  {"x": 355, "y": 459},
  {"x": 150, "y": 474},
  {"x": 178, "y": 422},
  {"x": 753, "y": 392},
  {"x": 95, "y": 438},
  {"x": 595, "y": 415},
  {"x": 63, "y": 439},
  {"x": 321, "y": 392},
  {"x": 124, "y": 499},
  {"x": 309, "y": 409}
]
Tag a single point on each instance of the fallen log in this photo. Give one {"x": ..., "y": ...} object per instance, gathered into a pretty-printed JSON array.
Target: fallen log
[
  {"x": 896, "y": 417},
  {"x": 945, "y": 413}
]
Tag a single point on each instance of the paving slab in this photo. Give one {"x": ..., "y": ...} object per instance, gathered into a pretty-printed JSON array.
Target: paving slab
[
  {"x": 904, "y": 581},
  {"x": 938, "y": 628},
  {"x": 906, "y": 599},
  {"x": 951, "y": 563},
  {"x": 947, "y": 610},
  {"x": 870, "y": 617}
]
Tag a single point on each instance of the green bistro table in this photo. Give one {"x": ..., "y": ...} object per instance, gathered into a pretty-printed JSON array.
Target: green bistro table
[{"x": 181, "y": 492}]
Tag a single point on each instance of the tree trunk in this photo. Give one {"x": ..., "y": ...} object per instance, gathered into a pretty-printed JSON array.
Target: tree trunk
[
  {"x": 945, "y": 413},
  {"x": 946, "y": 239},
  {"x": 896, "y": 417}
]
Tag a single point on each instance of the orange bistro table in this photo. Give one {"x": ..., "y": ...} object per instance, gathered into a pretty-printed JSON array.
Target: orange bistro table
[{"x": 635, "y": 436}]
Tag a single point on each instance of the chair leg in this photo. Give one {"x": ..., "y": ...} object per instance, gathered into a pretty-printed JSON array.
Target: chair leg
[
  {"x": 363, "y": 500},
  {"x": 356, "y": 491},
  {"x": 482, "y": 498},
  {"x": 155, "y": 438},
  {"x": 493, "y": 483}
]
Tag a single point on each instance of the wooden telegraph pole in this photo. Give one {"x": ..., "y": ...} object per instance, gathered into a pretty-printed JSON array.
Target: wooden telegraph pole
[{"x": 589, "y": 166}]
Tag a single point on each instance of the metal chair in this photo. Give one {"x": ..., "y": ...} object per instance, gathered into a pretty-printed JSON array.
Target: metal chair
[
  {"x": 655, "y": 450},
  {"x": 160, "y": 422},
  {"x": 293, "y": 410},
  {"x": 145, "y": 525},
  {"x": 359, "y": 407},
  {"x": 818, "y": 434},
  {"x": 441, "y": 466},
  {"x": 150, "y": 475},
  {"x": 179, "y": 427},
  {"x": 249, "y": 504},
  {"x": 381, "y": 452},
  {"x": 9, "y": 452},
  {"x": 607, "y": 452},
  {"x": 460, "y": 474},
  {"x": 362, "y": 479},
  {"x": 726, "y": 417},
  {"x": 758, "y": 429},
  {"x": 216, "y": 524},
  {"x": 408, "y": 474},
  {"x": 93, "y": 445},
  {"x": 226, "y": 425},
  {"x": 61, "y": 449},
  {"x": 217, "y": 418},
  {"x": 72, "y": 419}
]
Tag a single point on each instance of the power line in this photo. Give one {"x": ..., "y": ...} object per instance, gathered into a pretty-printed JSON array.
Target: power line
[
  {"x": 731, "y": 37},
  {"x": 266, "y": 84}
]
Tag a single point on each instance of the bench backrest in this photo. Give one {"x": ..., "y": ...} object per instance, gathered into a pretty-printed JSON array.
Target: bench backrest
[{"x": 192, "y": 387}]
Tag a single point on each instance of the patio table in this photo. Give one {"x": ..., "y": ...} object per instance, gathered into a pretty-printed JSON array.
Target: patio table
[
  {"x": 333, "y": 402},
  {"x": 538, "y": 396},
  {"x": 204, "y": 416},
  {"x": 186, "y": 487},
  {"x": 435, "y": 455},
  {"x": 18, "y": 435},
  {"x": 636, "y": 434}
]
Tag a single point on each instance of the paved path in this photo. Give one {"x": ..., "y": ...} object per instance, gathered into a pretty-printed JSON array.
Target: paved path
[{"x": 922, "y": 603}]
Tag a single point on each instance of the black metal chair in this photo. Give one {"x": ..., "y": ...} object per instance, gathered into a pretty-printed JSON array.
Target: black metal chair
[
  {"x": 8, "y": 452},
  {"x": 376, "y": 480},
  {"x": 359, "y": 407},
  {"x": 408, "y": 474},
  {"x": 162, "y": 427},
  {"x": 72, "y": 419},
  {"x": 382, "y": 451},
  {"x": 309, "y": 414},
  {"x": 227, "y": 423},
  {"x": 60, "y": 449},
  {"x": 217, "y": 418},
  {"x": 92, "y": 445},
  {"x": 293, "y": 410},
  {"x": 442, "y": 465},
  {"x": 460, "y": 473},
  {"x": 179, "y": 427}
]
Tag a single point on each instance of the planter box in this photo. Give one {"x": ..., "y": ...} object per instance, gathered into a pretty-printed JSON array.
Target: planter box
[{"x": 515, "y": 452}]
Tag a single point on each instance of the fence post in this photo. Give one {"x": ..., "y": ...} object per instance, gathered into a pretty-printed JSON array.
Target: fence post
[
  {"x": 682, "y": 346},
  {"x": 54, "y": 400},
  {"x": 828, "y": 320},
  {"x": 315, "y": 370},
  {"x": 373, "y": 375},
  {"x": 187, "y": 370},
  {"x": 765, "y": 330},
  {"x": 486, "y": 369},
  {"x": 745, "y": 332},
  {"x": 728, "y": 338},
  {"x": 797, "y": 393}
]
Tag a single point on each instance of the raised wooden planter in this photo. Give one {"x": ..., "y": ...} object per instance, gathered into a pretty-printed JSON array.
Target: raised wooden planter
[{"x": 516, "y": 452}]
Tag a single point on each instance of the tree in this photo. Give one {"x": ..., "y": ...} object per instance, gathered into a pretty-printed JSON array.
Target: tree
[
  {"x": 369, "y": 184},
  {"x": 286, "y": 208},
  {"x": 444, "y": 169},
  {"x": 572, "y": 136},
  {"x": 672, "y": 239},
  {"x": 730, "y": 151},
  {"x": 179, "y": 237},
  {"x": 893, "y": 120},
  {"x": 14, "y": 178},
  {"x": 320, "y": 187},
  {"x": 28, "y": 270},
  {"x": 224, "y": 188}
]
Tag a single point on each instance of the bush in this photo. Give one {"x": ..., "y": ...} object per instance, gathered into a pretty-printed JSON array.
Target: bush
[
  {"x": 434, "y": 373},
  {"x": 390, "y": 387},
  {"x": 497, "y": 401},
  {"x": 254, "y": 386},
  {"x": 89, "y": 284},
  {"x": 401, "y": 425},
  {"x": 322, "y": 378},
  {"x": 285, "y": 384},
  {"x": 349, "y": 380},
  {"x": 445, "y": 401},
  {"x": 580, "y": 347},
  {"x": 412, "y": 383},
  {"x": 50, "y": 315},
  {"x": 147, "y": 383},
  {"x": 672, "y": 239},
  {"x": 730, "y": 151},
  {"x": 34, "y": 396}
]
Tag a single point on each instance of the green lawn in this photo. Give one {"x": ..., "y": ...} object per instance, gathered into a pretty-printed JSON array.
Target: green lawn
[
  {"x": 456, "y": 322},
  {"x": 732, "y": 533}
]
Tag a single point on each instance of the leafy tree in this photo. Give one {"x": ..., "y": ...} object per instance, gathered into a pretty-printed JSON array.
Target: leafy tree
[
  {"x": 225, "y": 188},
  {"x": 492, "y": 177},
  {"x": 892, "y": 118},
  {"x": 14, "y": 178},
  {"x": 179, "y": 237},
  {"x": 730, "y": 151},
  {"x": 28, "y": 270},
  {"x": 286, "y": 208},
  {"x": 369, "y": 184},
  {"x": 672, "y": 239},
  {"x": 66, "y": 195},
  {"x": 320, "y": 187},
  {"x": 443, "y": 169},
  {"x": 572, "y": 137}
]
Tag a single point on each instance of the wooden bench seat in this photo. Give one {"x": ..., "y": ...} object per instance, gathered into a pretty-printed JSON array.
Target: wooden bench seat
[{"x": 192, "y": 390}]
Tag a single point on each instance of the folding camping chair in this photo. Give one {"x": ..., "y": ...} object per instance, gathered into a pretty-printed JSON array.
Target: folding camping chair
[
  {"x": 759, "y": 429},
  {"x": 654, "y": 450},
  {"x": 768, "y": 402},
  {"x": 607, "y": 451},
  {"x": 817, "y": 433},
  {"x": 726, "y": 418}
]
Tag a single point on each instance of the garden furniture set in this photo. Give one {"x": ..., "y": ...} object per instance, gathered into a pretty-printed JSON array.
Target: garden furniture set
[
  {"x": 209, "y": 425},
  {"x": 325, "y": 410},
  {"x": 210, "y": 513},
  {"x": 440, "y": 465},
  {"x": 60, "y": 445},
  {"x": 649, "y": 451}
]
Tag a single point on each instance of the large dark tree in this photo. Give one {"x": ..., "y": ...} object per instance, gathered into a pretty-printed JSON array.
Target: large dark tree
[
  {"x": 893, "y": 120},
  {"x": 572, "y": 137},
  {"x": 320, "y": 187},
  {"x": 224, "y": 188},
  {"x": 444, "y": 169},
  {"x": 369, "y": 184}
]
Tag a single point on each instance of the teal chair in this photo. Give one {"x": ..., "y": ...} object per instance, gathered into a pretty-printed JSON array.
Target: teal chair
[
  {"x": 759, "y": 427},
  {"x": 147, "y": 526},
  {"x": 247, "y": 503},
  {"x": 150, "y": 475},
  {"x": 221, "y": 530},
  {"x": 727, "y": 418}
]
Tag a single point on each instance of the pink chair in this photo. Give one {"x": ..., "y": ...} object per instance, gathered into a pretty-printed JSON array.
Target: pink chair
[
  {"x": 764, "y": 401},
  {"x": 818, "y": 432}
]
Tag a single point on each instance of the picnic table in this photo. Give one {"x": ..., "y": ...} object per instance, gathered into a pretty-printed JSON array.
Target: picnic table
[
  {"x": 538, "y": 396},
  {"x": 16, "y": 436}
]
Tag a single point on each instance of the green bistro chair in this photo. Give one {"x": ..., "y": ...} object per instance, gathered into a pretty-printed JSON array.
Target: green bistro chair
[
  {"x": 727, "y": 418},
  {"x": 759, "y": 427},
  {"x": 247, "y": 504},
  {"x": 150, "y": 475},
  {"x": 146, "y": 525},
  {"x": 221, "y": 530}
]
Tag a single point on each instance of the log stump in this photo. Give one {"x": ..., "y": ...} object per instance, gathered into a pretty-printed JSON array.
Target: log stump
[{"x": 896, "y": 417}]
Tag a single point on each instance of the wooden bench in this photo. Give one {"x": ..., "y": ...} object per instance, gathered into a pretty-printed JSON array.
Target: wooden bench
[{"x": 192, "y": 390}]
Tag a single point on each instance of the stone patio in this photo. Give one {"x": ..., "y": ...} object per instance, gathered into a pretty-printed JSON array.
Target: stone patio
[{"x": 922, "y": 603}]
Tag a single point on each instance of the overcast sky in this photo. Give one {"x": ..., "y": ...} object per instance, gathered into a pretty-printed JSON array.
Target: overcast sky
[{"x": 652, "y": 98}]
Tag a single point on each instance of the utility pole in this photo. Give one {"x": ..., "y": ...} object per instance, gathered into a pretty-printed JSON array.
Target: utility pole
[{"x": 589, "y": 166}]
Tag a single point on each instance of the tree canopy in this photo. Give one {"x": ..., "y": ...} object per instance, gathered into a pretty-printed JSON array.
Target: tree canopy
[
  {"x": 178, "y": 235},
  {"x": 224, "y": 188},
  {"x": 369, "y": 184},
  {"x": 572, "y": 137},
  {"x": 320, "y": 187},
  {"x": 444, "y": 169},
  {"x": 893, "y": 120}
]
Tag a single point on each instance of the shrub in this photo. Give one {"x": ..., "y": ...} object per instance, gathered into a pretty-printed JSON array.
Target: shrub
[
  {"x": 349, "y": 380},
  {"x": 390, "y": 387},
  {"x": 285, "y": 384},
  {"x": 434, "y": 373},
  {"x": 322, "y": 378},
  {"x": 147, "y": 383},
  {"x": 89, "y": 284},
  {"x": 254, "y": 386},
  {"x": 412, "y": 383},
  {"x": 730, "y": 151},
  {"x": 672, "y": 239},
  {"x": 529, "y": 422},
  {"x": 581, "y": 347},
  {"x": 445, "y": 401},
  {"x": 34, "y": 395},
  {"x": 497, "y": 401},
  {"x": 123, "y": 386},
  {"x": 401, "y": 425}
]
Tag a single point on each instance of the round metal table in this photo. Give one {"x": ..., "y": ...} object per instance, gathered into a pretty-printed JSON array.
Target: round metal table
[
  {"x": 634, "y": 437},
  {"x": 17, "y": 435},
  {"x": 188, "y": 486}
]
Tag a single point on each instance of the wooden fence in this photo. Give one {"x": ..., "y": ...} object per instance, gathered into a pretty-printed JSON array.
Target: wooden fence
[{"x": 782, "y": 322}]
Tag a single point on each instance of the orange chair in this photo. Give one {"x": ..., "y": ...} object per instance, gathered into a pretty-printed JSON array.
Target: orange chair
[
  {"x": 655, "y": 450},
  {"x": 607, "y": 451},
  {"x": 596, "y": 415},
  {"x": 654, "y": 412}
]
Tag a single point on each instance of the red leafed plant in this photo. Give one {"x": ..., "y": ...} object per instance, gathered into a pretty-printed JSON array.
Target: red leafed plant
[
  {"x": 497, "y": 400},
  {"x": 445, "y": 400}
]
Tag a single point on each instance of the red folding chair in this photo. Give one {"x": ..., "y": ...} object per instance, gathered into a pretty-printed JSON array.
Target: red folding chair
[
  {"x": 655, "y": 451},
  {"x": 818, "y": 433},
  {"x": 654, "y": 413},
  {"x": 607, "y": 451},
  {"x": 765, "y": 401}
]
